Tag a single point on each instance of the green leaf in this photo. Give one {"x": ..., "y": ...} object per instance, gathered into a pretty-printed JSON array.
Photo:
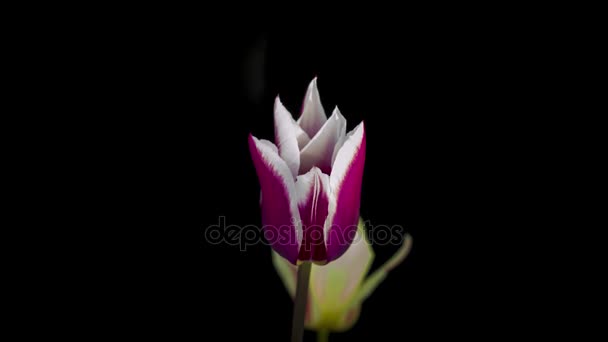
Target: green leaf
[{"x": 371, "y": 283}]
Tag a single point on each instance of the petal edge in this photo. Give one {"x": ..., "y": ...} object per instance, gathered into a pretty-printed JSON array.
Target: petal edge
[
  {"x": 286, "y": 137},
  {"x": 280, "y": 216},
  {"x": 313, "y": 116},
  {"x": 345, "y": 184}
]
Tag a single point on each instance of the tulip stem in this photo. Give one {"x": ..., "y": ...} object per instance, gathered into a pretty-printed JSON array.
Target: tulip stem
[
  {"x": 299, "y": 306},
  {"x": 323, "y": 335}
]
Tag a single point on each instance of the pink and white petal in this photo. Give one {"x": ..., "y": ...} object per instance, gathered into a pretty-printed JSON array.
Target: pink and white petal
[
  {"x": 337, "y": 149},
  {"x": 286, "y": 138},
  {"x": 313, "y": 116},
  {"x": 280, "y": 215},
  {"x": 345, "y": 183},
  {"x": 320, "y": 150},
  {"x": 274, "y": 148},
  {"x": 270, "y": 144},
  {"x": 312, "y": 191},
  {"x": 301, "y": 136}
]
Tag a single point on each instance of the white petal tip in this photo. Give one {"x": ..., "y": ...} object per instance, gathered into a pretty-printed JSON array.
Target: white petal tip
[
  {"x": 277, "y": 102},
  {"x": 358, "y": 130},
  {"x": 315, "y": 169},
  {"x": 336, "y": 114},
  {"x": 313, "y": 116},
  {"x": 312, "y": 89}
]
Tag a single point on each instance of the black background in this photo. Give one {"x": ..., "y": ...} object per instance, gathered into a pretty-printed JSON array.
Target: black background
[{"x": 448, "y": 129}]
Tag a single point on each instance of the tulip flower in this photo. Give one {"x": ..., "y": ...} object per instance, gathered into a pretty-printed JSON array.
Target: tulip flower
[
  {"x": 310, "y": 181},
  {"x": 337, "y": 290}
]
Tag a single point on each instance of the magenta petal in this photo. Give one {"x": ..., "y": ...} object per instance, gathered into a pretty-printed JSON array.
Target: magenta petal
[
  {"x": 313, "y": 201},
  {"x": 345, "y": 181},
  {"x": 280, "y": 216}
]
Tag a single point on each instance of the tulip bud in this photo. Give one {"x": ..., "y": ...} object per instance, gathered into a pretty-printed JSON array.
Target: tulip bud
[{"x": 310, "y": 180}]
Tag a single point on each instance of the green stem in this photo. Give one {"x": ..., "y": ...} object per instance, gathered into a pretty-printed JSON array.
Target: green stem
[
  {"x": 299, "y": 306},
  {"x": 323, "y": 335}
]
